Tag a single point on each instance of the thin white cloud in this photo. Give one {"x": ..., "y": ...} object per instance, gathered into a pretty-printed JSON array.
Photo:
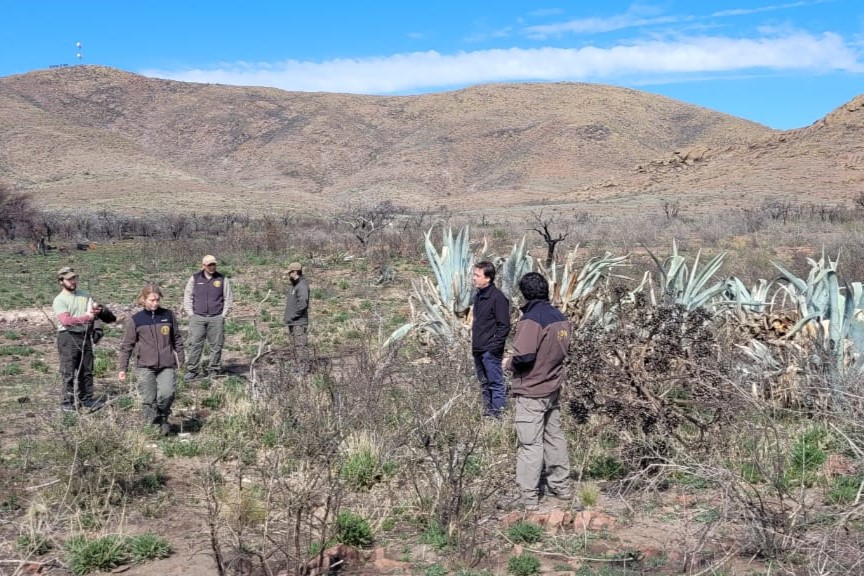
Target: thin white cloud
[
  {"x": 597, "y": 25},
  {"x": 758, "y": 10},
  {"x": 420, "y": 71}
]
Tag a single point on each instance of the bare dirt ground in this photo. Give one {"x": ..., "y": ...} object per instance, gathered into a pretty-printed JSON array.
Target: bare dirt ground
[{"x": 674, "y": 533}]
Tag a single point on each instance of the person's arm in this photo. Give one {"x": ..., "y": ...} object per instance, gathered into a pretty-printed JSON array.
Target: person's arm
[
  {"x": 177, "y": 342},
  {"x": 187, "y": 296},
  {"x": 65, "y": 317},
  {"x": 526, "y": 342},
  {"x": 501, "y": 313},
  {"x": 227, "y": 297},
  {"x": 127, "y": 343},
  {"x": 302, "y": 300}
]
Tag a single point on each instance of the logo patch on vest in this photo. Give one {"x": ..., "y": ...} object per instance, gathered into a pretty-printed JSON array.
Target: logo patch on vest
[
  {"x": 165, "y": 330},
  {"x": 217, "y": 283}
]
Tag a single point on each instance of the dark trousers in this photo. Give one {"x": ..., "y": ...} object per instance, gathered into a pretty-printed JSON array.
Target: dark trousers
[
  {"x": 76, "y": 363},
  {"x": 491, "y": 377}
]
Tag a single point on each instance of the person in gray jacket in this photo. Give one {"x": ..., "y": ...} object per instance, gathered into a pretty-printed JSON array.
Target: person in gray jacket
[
  {"x": 297, "y": 313},
  {"x": 536, "y": 363},
  {"x": 207, "y": 300}
]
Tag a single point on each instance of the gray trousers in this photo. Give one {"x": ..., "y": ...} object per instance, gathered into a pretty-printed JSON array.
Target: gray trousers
[
  {"x": 542, "y": 445},
  {"x": 212, "y": 329},
  {"x": 76, "y": 361},
  {"x": 157, "y": 394},
  {"x": 300, "y": 334}
]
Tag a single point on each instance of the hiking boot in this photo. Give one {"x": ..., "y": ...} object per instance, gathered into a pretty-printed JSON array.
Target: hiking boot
[
  {"x": 67, "y": 407},
  {"x": 92, "y": 404},
  {"x": 189, "y": 376},
  {"x": 164, "y": 428}
]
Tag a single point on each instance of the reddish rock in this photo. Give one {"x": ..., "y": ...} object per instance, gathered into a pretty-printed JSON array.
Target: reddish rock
[
  {"x": 339, "y": 555},
  {"x": 384, "y": 564},
  {"x": 555, "y": 520}
]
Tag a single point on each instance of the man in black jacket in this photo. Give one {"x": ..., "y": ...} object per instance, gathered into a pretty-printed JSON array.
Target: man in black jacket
[{"x": 488, "y": 337}]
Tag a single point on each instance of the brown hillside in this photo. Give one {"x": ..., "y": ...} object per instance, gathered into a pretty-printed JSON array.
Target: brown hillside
[{"x": 117, "y": 140}]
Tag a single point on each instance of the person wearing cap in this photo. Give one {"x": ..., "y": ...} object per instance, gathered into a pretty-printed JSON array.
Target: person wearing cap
[
  {"x": 207, "y": 300},
  {"x": 76, "y": 314},
  {"x": 297, "y": 312}
]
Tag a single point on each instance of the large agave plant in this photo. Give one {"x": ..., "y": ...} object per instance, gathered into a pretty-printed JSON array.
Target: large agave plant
[
  {"x": 512, "y": 268},
  {"x": 688, "y": 286},
  {"x": 578, "y": 294},
  {"x": 830, "y": 313},
  {"x": 440, "y": 309}
]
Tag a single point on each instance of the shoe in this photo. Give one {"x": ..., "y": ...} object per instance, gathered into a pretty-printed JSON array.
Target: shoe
[
  {"x": 67, "y": 407},
  {"x": 562, "y": 496},
  {"x": 189, "y": 376},
  {"x": 92, "y": 404},
  {"x": 165, "y": 428}
]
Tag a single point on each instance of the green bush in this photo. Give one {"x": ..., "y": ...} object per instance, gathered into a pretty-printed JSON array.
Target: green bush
[
  {"x": 33, "y": 544},
  {"x": 354, "y": 530},
  {"x": 108, "y": 552},
  {"x": 435, "y": 536},
  {"x": 102, "y": 554},
  {"x": 360, "y": 469},
  {"x": 523, "y": 565},
  {"x": 523, "y": 532},
  {"x": 844, "y": 490},
  {"x": 606, "y": 468},
  {"x": 806, "y": 457}
]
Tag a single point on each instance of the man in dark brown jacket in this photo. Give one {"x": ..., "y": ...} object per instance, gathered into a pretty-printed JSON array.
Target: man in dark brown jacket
[{"x": 537, "y": 367}]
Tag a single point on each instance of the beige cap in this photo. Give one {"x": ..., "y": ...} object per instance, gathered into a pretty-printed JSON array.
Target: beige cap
[
  {"x": 294, "y": 267},
  {"x": 66, "y": 272},
  {"x": 209, "y": 259}
]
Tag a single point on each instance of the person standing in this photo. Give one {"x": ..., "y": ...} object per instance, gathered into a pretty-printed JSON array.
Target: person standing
[
  {"x": 207, "y": 300},
  {"x": 488, "y": 337},
  {"x": 160, "y": 352},
  {"x": 536, "y": 363},
  {"x": 297, "y": 313},
  {"x": 76, "y": 315}
]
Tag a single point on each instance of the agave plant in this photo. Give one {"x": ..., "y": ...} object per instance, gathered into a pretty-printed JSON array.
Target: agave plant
[
  {"x": 686, "y": 286},
  {"x": 577, "y": 295},
  {"x": 440, "y": 309},
  {"x": 512, "y": 268},
  {"x": 828, "y": 312}
]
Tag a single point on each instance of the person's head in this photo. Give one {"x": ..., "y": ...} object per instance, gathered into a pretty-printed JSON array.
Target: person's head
[
  {"x": 150, "y": 297},
  {"x": 208, "y": 264},
  {"x": 68, "y": 278},
  {"x": 534, "y": 286},
  {"x": 484, "y": 274},
  {"x": 295, "y": 271}
]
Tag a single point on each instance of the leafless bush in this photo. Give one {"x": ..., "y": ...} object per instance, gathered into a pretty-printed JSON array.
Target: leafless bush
[{"x": 16, "y": 213}]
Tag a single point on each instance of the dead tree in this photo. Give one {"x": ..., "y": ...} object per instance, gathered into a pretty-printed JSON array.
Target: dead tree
[
  {"x": 541, "y": 226},
  {"x": 365, "y": 220}
]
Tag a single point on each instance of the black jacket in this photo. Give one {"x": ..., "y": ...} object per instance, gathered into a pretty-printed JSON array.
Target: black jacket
[{"x": 491, "y": 321}]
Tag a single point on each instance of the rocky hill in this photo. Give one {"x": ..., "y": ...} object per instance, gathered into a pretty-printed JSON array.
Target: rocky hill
[{"x": 88, "y": 135}]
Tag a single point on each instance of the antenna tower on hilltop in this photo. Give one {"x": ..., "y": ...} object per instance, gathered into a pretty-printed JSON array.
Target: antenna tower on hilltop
[{"x": 80, "y": 53}]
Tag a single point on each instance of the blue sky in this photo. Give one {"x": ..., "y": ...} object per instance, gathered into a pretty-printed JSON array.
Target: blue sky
[{"x": 784, "y": 64}]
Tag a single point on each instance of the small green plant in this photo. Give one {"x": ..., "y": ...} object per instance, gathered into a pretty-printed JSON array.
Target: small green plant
[
  {"x": 708, "y": 516},
  {"x": 589, "y": 494},
  {"x": 435, "y": 536},
  {"x": 104, "y": 362},
  {"x": 606, "y": 468},
  {"x": 435, "y": 570},
  {"x": 39, "y": 365},
  {"x": 360, "y": 469},
  {"x": 354, "y": 530},
  {"x": 34, "y": 544},
  {"x": 523, "y": 532},
  {"x": 181, "y": 448},
  {"x": 16, "y": 350},
  {"x": 214, "y": 401},
  {"x": 11, "y": 369},
  {"x": 806, "y": 457},
  {"x": 147, "y": 547},
  {"x": 525, "y": 564},
  {"x": 844, "y": 490},
  {"x": 102, "y": 554}
]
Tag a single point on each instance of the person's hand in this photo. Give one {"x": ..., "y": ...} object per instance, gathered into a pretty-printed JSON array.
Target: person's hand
[
  {"x": 505, "y": 363},
  {"x": 121, "y": 376}
]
